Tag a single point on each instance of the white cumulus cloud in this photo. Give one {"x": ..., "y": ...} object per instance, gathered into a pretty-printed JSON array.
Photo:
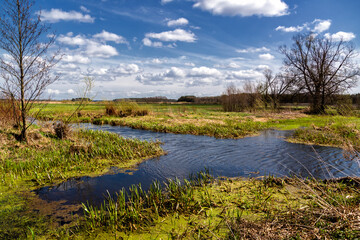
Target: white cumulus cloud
[
  {"x": 147, "y": 42},
  {"x": 253, "y": 50},
  {"x": 249, "y": 74},
  {"x": 178, "y": 22},
  {"x": 57, "y": 15},
  {"x": 290, "y": 29},
  {"x": 266, "y": 56},
  {"x": 94, "y": 46},
  {"x": 110, "y": 37},
  {"x": 341, "y": 36},
  {"x": 124, "y": 69},
  {"x": 244, "y": 8},
  {"x": 321, "y": 25},
  {"x": 76, "y": 59},
  {"x": 173, "y": 36},
  {"x": 69, "y": 39},
  {"x": 100, "y": 50},
  {"x": 317, "y": 26},
  {"x": 204, "y": 72},
  {"x": 169, "y": 77}
]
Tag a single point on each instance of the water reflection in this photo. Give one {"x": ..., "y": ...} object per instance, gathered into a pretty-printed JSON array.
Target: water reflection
[{"x": 266, "y": 154}]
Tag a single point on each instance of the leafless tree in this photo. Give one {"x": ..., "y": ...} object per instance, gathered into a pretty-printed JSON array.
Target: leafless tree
[
  {"x": 322, "y": 66},
  {"x": 25, "y": 66},
  {"x": 61, "y": 127},
  {"x": 237, "y": 100},
  {"x": 274, "y": 86}
]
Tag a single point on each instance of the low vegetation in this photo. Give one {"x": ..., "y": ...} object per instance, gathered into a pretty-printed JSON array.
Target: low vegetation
[
  {"x": 201, "y": 207},
  {"x": 45, "y": 159},
  {"x": 210, "y": 120},
  {"x": 125, "y": 109},
  {"x": 205, "y": 208}
]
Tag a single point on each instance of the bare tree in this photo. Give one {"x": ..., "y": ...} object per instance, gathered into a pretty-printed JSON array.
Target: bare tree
[
  {"x": 322, "y": 66},
  {"x": 274, "y": 86},
  {"x": 25, "y": 68},
  {"x": 237, "y": 100},
  {"x": 61, "y": 127}
]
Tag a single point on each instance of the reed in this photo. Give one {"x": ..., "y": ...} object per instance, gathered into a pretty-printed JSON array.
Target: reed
[
  {"x": 88, "y": 152},
  {"x": 136, "y": 209}
]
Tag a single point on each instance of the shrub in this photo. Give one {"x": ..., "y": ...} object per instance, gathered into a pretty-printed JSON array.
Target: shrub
[
  {"x": 62, "y": 130},
  {"x": 344, "y": 106},
  {"x": 110, "y": 109},
  {"x": 9, "y": 112},
  {"x": 125, "y": 109},
  {"x": 236, "y": 100}
]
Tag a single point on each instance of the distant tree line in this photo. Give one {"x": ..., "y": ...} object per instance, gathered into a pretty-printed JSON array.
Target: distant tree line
[
  {"x": 317, "y": 70},
  {"x": 157, "y": 99}
]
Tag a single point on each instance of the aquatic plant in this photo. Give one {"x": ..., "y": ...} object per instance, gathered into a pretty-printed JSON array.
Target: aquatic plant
[
  {"x": 92, "y": 151},
  {"x": 135, "y": 208}
]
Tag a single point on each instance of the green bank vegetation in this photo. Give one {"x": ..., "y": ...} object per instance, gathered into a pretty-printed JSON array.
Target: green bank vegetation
[
  {"x": 204, "y": 208},
  {"x": 46, "y": 160},
  {"x": 331, "y": 129},
  {"x": 198, "y": 208}
]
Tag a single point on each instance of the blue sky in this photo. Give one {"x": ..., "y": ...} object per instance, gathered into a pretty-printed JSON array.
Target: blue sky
[{"x": 138, "y": 48}]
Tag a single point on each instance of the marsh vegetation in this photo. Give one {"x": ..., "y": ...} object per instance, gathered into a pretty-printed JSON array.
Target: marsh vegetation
[{"x": 200, "y": 207}]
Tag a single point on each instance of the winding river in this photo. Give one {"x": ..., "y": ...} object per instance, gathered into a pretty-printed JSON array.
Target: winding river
[{"x": 265, "y": 154}]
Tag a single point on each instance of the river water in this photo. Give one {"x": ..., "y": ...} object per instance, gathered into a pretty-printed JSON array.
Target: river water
[{"x": 265, "y": 154}]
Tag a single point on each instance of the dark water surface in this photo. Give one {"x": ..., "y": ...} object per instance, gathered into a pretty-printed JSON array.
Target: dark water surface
[{"x": 266, "y": 154}]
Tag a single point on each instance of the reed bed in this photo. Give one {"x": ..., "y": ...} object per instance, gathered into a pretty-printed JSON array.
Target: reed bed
[
  {"x": 337, "y": 134},
  {"x": 87, "y": 152},
  {"x": 136, "y": 209},
  {"x": 208, "y": 208},
  {"x": 229, "y": 129},
  {"x": 125, "y": 109}
]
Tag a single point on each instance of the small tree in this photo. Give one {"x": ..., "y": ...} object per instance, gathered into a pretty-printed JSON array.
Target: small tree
[
  {"x": 321, "y": 66},
  {"x": 274, "y": 87},
  {"x": 237, "y": 100},
  {"x": 25, "y": 68},
  {"x": 61, "y": 127}
]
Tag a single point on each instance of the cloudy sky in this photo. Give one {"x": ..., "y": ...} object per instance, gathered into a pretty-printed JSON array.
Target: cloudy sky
[{"x": 143, "y": 48}]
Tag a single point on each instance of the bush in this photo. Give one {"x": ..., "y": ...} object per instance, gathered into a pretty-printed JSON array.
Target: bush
[
  {"x": 62, "y": 130},
  {"x": 9, "y": 112},
  {"x": 236, "y": 100},
  {"x": 110, "y": 109},
  {"x": 344, "y": 106},
  {"x": 125, "y": 109}
]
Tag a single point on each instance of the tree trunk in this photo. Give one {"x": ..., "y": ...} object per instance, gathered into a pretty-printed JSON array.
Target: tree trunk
[{"x": 316, "y": 106}]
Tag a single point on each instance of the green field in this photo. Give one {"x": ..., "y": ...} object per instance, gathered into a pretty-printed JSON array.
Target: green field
[
  {"x": 210, "y": 120},
  {"x": 199, "y": 208}
]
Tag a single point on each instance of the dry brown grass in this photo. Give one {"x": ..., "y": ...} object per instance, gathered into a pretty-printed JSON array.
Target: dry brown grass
[
  {"x": 8, "y": 113},
  {"x": 332, "y": 212},
  {"x": 301, "y": 224}
]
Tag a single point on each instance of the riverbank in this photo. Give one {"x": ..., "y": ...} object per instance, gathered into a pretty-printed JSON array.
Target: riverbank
[
  {"x": 202, "y": 207},
  {"x": 206, "y": 208},
  {"x": 210, "y": 120},
  {"x": 46, "y": 160}
]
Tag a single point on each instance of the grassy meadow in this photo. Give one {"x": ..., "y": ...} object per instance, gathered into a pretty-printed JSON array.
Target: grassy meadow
[
  {"x": 331, "y": 129},
  {"x": 200, "y": 207}
]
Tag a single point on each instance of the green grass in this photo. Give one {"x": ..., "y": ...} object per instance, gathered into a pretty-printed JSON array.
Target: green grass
[
  {"x": 200, "y": 208},
  {"x": 204, "y": 208},
  {"x": 210, "y": 120},
  {"x": 46, "y": 160},
  {"x": 88, "y": 152}
]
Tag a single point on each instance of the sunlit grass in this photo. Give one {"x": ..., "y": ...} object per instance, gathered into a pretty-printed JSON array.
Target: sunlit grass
[{"x": 87, "y": 152}]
